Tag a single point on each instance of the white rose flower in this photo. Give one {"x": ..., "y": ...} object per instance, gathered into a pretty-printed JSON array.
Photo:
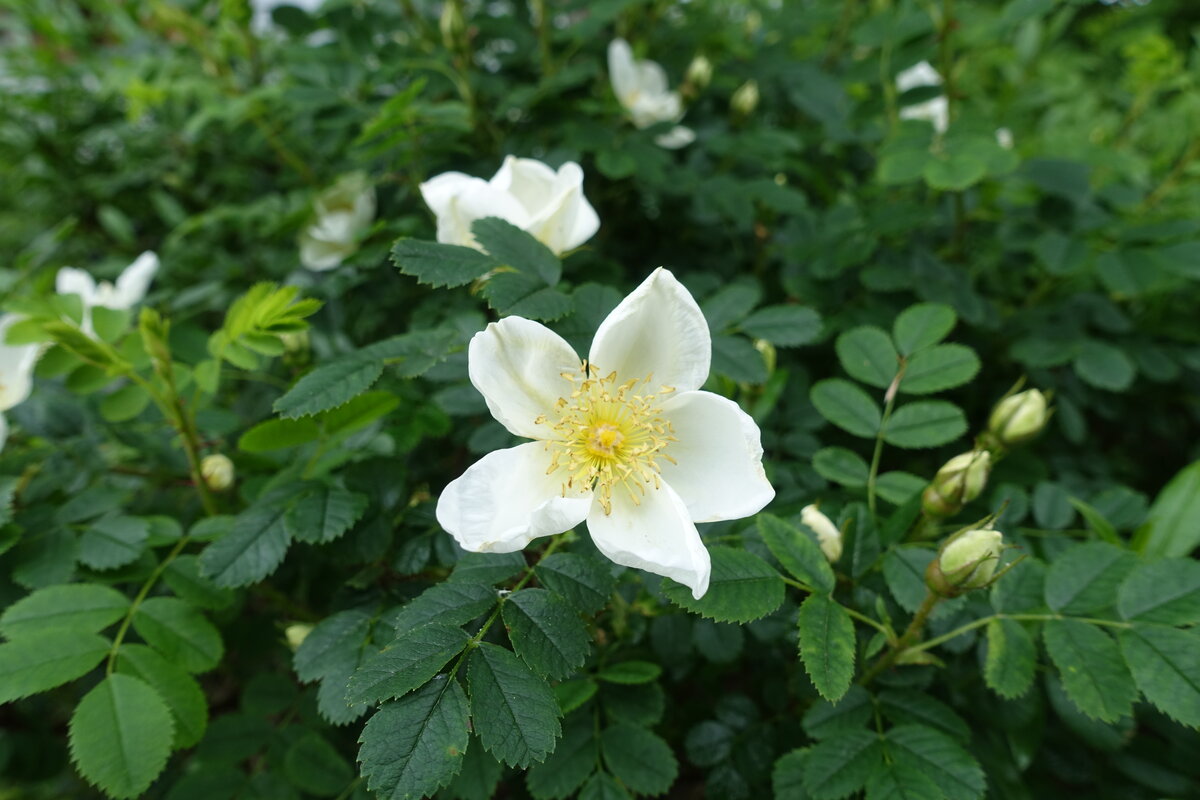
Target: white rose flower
[
  {"x": 16, "y": 371},
  {"x": 547, "y": 204},
  {"x": 340, "y": 215},
  {"x": 625, "y": 440},
  {"x": 128, "y": 291},
  {"x": 641, "y": 87},
  {"x": 936, "y": 110}
]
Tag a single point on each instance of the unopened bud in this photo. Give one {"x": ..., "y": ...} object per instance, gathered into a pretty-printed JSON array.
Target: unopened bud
[
  {"x": 296, "y": 634},
  {"x": 828, "y": 535},
  {"x": 745, "y": 99},
  {"x": 217, "y": 471},
  {"x": 1018, "y": 417},
  {"x": 451, "y": 24},
  {"x": 699, "y": 72},
  {"x": 958, "y": 482},
  {"x": 967, "y": 561}
]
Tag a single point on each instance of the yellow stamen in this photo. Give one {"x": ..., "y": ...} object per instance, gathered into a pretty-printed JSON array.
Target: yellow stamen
[{"x": 608, "y": 435}]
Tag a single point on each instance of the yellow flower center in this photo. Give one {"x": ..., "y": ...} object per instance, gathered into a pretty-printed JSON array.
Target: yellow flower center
[{"x": 608, "y": 435}]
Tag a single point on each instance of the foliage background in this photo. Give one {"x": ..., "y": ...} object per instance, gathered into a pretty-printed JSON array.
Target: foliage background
[{"x": 1072, "y": 259}]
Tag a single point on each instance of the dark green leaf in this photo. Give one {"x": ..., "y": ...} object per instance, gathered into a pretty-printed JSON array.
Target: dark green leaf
[
  {"x": 787, "y": 778},
  {"x": 912, "y": 706},
  {"x": 922, "y": 325},
  {"x": 1166, "y": 592},
  {"x": 641, "y": 760},
  {"x": 1086, "y": 577},
  {"x": 254, "y": 546},
  {"x": 583, "y": 581},
  {"x": 179, "y": 690},
  {"x": 1104, "y": 366},
  {"x": 315, "y": 766},
  {"x": 827, "y": 645},
  {"x": 489, "y": 568},
  {"x": 42, "y": 660},
  {"x": 184, "y": 577},
  {"x": 736, "y": 357},
  {"x": 841, "y": 764},
  {"x": 113, "y": 542},
  {"x": 322, "y": 513},
  {"x": 851, "y": 712},
  {"x": 573, "y": 760},
  {"x": 938, "y": 368},
  {"x": 799, "y": 554},
  {"x": 925, "y": 423},
  {"x": 1166, "y": 666},
  {"x": 445, "y": 603},
  {"x": 868, "y": 355},
  {"x": 742, "y": 588},
  {"x": 939, "y": 757},
  {"x": 1011, "y": 658},
  {"x": 329, "y": 386},
  {"x": 784, "y": 326},
  {"x": 332, "y": 646},
  {"x": 546, "y": 632},
  {"x": 847, "y": 406},
  {"x": 709, "y": 743},
  {"x": 630, "y": 672},
  {"x": 842, "y": 466},
  {"x": 179, "y": 632},
  {"x": 279, "y": 434},
  {"x": 416, "y": 744},
  {"x": 1091, "y": 667},
  {"x": 407, "y": 663},
  {"x": 603, "y": 786},
  {"x": 512, "y": 710},
  {"x": 513, "y": 247},
  {"x": 1172, "y": 526},
  {"x": 79, "y": 607},
  {"x": 440, "y": 265},
  {"x": 901, "y": 780}
]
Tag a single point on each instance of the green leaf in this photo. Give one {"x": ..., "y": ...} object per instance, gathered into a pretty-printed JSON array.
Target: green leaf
[
  {"x": 120, "y": 735},
  {"x": 184, "y": 577},
  {"x": 938, "y": 368},
  {"x": 125, "y": 403},
  {"x": 439, "y": 265},
  {"x": 638, "y": 758},
  {"x": 525, "y": 295},
  {"x": 1011, "y": 658},
  {"x": 824, "y": 719},
  {"x": 1022, "y": 588},
  {"x": 329, "y": 386},
  {"x": 180, "y": 691},
  {"x": 113, "y": 542},
  {"x": 254, "y": 546},
  {"x": 573, "y": 760},
  {"x": 799, "y": 554},
  {"x": 1104, "y": 366},
  {"x": 315, "y": 766},
  {"x": 842, "y": 466},
  {"x": 1166, "y": 666},
  {"x": 737, "y": 358},
  {"x": 1086, "y": 577},
  {"x": 784, "y": 326},
  {"x": 279, "y": 434},
  {"x": 445, "y": 603},
  {"x": 630, "y": 672},
  {"x": 827, "y": 645},
  {"x": 603, "y": 786},
  {"x": 1172, "y": 526},
  {"x": 322, "y": 513},
  {"x": 840, "y": 765},
  {"x": 901, "y": 780},
  {"x": 868, "y": 355},
  {"x": 584, "y": 582},
  {"x": 925, "y": 423},
  {"x": 1166, "y": 592},
  {"x": 511, "y": 246},
  {"x": 1092, "y": 670},
  {"x": 489, "y": 568},
  {"x": 847, "y": 406},
  {"x": 479, "y": 776},
  {"x": 922, "y": 325},
  {"x": 416, "y": 744},
  {"x": 954, "y": 172},
  {"x": 709, "y": 743},
  {"x": 938, "y": 756},
  {"x": 904, "y": 571},
  {"x": 546, "y": 632},
  {"x": 332, "y": 646},
  {"x": 512, "y": 710},
  {"x": 79, "y": 607},
  {"x": 179, "y": 632},
  {"x": 358, "y": 413},
  {"x": 742, "y": 588},
  {"x": 1097, "y": 523},
  {"x": 409, "y": 662},
  {"x": 730, "y": 303},
  {"x": 787, "y": 778},
  {"x": 903, "y": 706},
  {"x": 44, "y": 659},
  {"x": 574, "y": 693},
  {"x": 898, "y": 487}
]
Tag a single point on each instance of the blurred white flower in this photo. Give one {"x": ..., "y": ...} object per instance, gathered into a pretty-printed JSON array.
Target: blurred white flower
[
  {"x": 16, "y": 371},
  {"x": 936, "y": 110},
  {"x": 828, "y": 535},
  {"x": 340, "y": 215},
  {"x": 641, "y": 87},
  {"x": 1004, "y": 138},
  {"x": 127, "y": 292},
  {"x": 624, "y": 440},
  {"x": 549, "y": 205}
]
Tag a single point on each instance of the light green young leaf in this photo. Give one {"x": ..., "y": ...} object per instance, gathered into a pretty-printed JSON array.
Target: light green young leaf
[
  {"x": 512, "y": 710},
  {"x": 120, "y": 736},
  {"x": 827, "y": 645},
  {"x": 79, "y": 607}
]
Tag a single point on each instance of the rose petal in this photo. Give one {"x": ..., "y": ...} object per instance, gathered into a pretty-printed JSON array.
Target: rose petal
[
  {"x": 506, "y": 499},
  {"x": 75, "y": 281},
  {"x": 440, "y": 190},
  {"x": 718, "y": 470},
  {"x": 657, "y": 330},
  {"x": 518, "y": 365},
  {"x": 16, "y": 366},
  {"x": 656, "y": 534},
  {"x": 530, "y": 181},
  {"x": 677, "y": 137},
  {"x": 568, "y": 219},
  {"x": 622, "y": 71},
  {"x": 135, "y": 281}
]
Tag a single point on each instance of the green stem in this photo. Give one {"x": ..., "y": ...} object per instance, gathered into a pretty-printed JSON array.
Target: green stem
[
  {"x": 137, "y": 601},
  {"x": 542, "y": 24},
  {"x": 906, "y": 639},
  {"x": 855, "y": 614},
  {"x": 979, "y": 623},
  {"x": 878, "y": 454}
]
